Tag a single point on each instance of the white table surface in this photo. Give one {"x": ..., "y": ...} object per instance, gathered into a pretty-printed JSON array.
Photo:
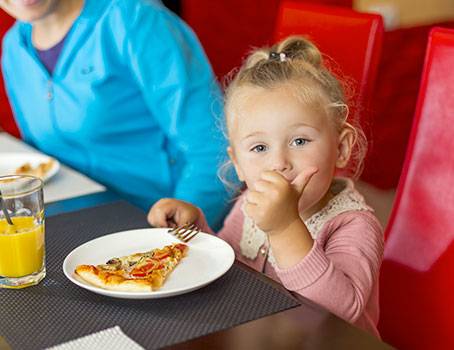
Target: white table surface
[{"x": 67, "y": 183}]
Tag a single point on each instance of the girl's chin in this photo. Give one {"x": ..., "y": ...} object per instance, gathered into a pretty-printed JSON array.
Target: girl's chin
[{"x": 26, "y": 3}]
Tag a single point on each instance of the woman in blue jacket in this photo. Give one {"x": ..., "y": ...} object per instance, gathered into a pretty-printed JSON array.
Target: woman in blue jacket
[{"x": 120, "y": 90}]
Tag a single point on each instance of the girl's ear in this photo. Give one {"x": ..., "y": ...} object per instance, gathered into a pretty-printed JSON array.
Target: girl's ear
[
  {"x": 347, "y": 139},
  {"x": 232, "y": 156}
]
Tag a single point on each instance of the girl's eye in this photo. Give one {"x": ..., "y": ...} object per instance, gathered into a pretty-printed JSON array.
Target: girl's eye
[
  {"x": 259, "y": 148},
  {"x": 299, "y": 141}
]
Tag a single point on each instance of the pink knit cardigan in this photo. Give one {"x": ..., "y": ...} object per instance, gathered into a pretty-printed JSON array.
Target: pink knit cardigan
[{"x": 340, "y": 272}]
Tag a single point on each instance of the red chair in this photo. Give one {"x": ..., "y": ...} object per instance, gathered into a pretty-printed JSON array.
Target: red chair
[
  {"x": 417, "y": 276},
  {"x": 229, "y": 29},
  {"x": 399, "y": 73},
  {"x": 6, "y": 116},
  {"x": 352, "y": 39}
]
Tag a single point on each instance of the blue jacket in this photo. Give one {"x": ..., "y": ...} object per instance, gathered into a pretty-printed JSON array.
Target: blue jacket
[{"x": 132, "y": 103}]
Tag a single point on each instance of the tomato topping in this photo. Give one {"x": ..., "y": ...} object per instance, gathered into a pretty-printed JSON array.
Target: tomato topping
[
  {"x": 181, "y": 247},
  {"x": 138, "y": 274},
  {"x": 145, "y": 269},
  {"x": 161, "y": 255},
  {"x": 150, "y": 265}
]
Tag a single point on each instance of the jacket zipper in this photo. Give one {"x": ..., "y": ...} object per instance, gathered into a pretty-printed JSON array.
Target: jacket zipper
[{"x": 50, "y": 90}]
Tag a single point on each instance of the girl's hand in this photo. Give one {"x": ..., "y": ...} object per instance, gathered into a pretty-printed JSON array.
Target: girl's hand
[
  {"x": 273, "y": 205},
  {"x": 169, "y": 212}
]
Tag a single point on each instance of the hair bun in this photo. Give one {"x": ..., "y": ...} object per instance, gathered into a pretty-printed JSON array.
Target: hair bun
[{"x": 297, "y": 47}]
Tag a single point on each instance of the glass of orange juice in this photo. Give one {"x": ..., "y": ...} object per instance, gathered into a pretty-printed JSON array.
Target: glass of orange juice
[{"x": 22, "y": 245}]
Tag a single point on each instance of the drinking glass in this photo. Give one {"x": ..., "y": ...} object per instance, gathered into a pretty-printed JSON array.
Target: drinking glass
[{"x": 22, "y": 244}]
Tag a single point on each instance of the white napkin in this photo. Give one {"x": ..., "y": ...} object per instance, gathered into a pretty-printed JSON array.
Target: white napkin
[{"x": 107, "y": 339}]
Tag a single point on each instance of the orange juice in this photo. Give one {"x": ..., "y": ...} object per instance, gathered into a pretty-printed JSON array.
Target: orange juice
[{"x": 21, "y": 247}]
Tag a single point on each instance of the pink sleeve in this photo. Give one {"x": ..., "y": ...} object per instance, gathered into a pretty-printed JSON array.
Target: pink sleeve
[
  {"x": 232, "y": 224},
  {"x": 340, "y": 273}
]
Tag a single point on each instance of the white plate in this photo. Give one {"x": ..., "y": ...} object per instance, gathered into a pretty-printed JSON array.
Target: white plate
[
  {"x": 208, "y": 258},
  {"x": 9, "y": 162}
]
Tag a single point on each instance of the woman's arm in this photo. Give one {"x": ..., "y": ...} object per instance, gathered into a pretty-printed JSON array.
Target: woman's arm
[{"x": 181, "y": 92}]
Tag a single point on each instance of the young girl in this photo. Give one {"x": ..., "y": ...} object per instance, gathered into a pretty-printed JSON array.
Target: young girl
[{"x": 287, "y": 123}]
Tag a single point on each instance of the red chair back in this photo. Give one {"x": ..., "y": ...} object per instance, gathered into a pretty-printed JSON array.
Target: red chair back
[
  {"x": 417, "y": 276},
  {"x": 229, "y": 30},
  {"x": 352, "y": 39},
  {"x": 6, "y": 116}
]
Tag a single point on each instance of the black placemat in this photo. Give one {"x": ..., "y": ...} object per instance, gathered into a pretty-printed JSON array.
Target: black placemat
[{"x": 56, "y": 310}]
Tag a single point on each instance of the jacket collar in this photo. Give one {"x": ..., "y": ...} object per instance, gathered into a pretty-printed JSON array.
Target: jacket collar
[{"x": 81, "y": 28}]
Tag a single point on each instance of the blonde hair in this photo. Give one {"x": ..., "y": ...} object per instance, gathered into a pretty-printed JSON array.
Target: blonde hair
[{"x": 297, "y": 62}]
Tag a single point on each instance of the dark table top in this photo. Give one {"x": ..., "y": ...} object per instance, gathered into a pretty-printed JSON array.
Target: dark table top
[{"x": 307, "y": 326}]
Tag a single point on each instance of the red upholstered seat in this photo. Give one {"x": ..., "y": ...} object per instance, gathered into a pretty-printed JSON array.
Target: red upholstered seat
[
  {"x": 6, "y": 117},
  {"x": 417, "y": 277},
  {"x": 352, "y": 39},
  {"x": 230, "y": 29}
]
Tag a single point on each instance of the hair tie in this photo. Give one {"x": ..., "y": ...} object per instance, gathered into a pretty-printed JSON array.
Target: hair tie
[{"x": 278, "y": 56}]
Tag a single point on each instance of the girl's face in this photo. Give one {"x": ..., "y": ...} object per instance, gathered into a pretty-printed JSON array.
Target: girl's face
[
  {"x": 274, "y": 130},
  {"x": 28, "y": 10}
]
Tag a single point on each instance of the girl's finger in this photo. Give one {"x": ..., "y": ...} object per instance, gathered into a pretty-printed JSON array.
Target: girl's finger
[
  {"x": 253, "y": 197},
  {"x": 300, "y": 182},
  {"x": 185, "y": 216},
  {"x": 263, "y": 186},
  {"x": 160, "y": 215},
  {"x": 273, "y": 176},
  {"x": 157, "y": 218},
  {"x": 171, "y": 223}
]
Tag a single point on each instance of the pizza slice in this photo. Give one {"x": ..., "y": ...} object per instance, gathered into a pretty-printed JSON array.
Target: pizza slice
[
  {"x": 39, "y": 171},
  {"x": 139, "y": 272}
]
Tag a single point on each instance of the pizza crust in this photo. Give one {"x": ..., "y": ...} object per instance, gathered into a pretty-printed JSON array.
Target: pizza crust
[{"x": 111, "y": 281}]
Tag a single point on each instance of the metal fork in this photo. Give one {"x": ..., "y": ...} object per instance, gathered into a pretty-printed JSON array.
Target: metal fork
[{"x": 185, "y": 232}]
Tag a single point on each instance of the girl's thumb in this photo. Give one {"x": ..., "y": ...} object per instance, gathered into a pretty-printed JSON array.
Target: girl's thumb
[{"x": 300, "y": 182}]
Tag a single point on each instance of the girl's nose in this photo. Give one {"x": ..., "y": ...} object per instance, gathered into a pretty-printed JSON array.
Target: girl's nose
[{"x": 280, "y": 163}]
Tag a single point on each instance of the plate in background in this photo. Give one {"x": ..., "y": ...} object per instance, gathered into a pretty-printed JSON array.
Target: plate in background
[{"x": 10, "y": 161}]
